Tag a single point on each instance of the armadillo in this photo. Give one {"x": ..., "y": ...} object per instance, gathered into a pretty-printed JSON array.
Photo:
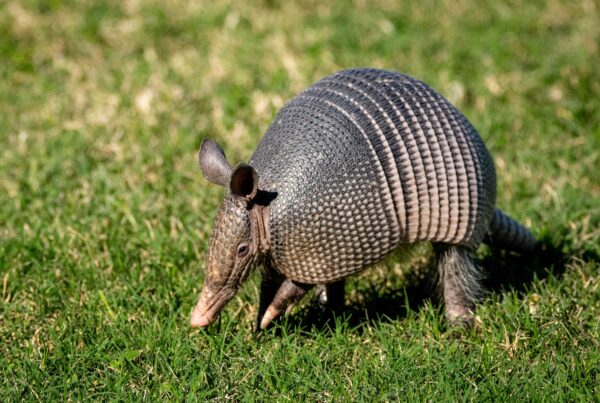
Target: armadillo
[{"x": 360, "y": 164}]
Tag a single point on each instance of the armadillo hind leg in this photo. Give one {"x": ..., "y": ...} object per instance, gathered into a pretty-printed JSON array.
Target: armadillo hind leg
[
  {"x": 331, "y": 296},
  {"x": 288, "y": 294},
  {"x": 460, "y": 282}
]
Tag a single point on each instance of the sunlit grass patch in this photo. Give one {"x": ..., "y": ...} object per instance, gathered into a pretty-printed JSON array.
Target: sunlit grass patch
[{"x": 105, "y": 219}]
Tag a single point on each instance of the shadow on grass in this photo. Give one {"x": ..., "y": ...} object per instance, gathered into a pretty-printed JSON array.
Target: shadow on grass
[
  {"x": 507, "y": 270},
  {"x": 504, "y": 271}
]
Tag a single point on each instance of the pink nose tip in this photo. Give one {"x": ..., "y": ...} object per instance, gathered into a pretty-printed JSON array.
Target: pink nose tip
[{"x": 199, "y": 320}]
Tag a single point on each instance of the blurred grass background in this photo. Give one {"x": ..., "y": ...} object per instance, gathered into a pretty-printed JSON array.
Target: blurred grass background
[{"x": 104, "y": 216}]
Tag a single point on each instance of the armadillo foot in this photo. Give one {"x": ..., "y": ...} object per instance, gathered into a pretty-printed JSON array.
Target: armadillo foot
[
  {"x": 459, "y": 316},
  {"x": 288, "y": 294},
  {"x": 460, "y": 283},
  {"x": 331, "y": 296}
]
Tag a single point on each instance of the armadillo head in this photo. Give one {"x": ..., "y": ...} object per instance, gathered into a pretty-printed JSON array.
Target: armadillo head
[{"x": 235, "y": 244}]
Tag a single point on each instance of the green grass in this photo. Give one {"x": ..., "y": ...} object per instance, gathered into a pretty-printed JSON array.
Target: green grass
[{"x": 104, "y": 216}]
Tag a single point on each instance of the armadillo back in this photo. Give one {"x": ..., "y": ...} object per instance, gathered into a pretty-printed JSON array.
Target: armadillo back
[{"x": 363, "y": 161}]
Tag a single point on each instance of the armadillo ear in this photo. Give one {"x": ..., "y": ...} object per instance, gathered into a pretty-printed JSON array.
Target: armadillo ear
[
  {"x": 213, "y": 163},
  {"x": 244, "y": 181}
]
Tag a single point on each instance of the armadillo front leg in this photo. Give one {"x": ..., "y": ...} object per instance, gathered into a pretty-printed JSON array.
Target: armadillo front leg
[
  {"x": 460, "y": 282},
  {"x": 287, "y": 295},
  {"x": 270, "y": 282}
]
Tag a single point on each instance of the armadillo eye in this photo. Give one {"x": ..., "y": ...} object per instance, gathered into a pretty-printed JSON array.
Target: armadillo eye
[{"x": 243, "y": 250}]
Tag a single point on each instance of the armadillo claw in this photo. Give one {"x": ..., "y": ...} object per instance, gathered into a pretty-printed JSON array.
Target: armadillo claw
[
  {"x": 273, "y": 313},
  {"x": 286, "y": 297},
  {"x": 270, "y": 315}
]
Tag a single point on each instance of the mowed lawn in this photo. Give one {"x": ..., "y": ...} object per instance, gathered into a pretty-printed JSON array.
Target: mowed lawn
[{"x": 105, "y": 217}]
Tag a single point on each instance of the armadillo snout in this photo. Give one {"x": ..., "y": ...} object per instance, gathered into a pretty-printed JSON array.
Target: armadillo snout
[{"x": 209, "y": 305}]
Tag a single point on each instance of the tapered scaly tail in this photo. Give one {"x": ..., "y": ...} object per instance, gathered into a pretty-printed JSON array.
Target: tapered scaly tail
[{"x": 505, "y": 232}]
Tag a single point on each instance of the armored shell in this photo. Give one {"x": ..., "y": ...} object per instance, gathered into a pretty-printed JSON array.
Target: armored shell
[{"x": 364, "y": 161}]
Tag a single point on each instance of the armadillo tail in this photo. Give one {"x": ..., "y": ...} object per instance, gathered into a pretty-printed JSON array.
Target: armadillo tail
[{"x": 506, "y": 233}]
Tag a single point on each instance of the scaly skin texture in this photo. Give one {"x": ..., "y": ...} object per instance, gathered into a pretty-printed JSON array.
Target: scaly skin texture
[
  {"x": 359, "y": 164},
  {"x": 232, "y": 227}
]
